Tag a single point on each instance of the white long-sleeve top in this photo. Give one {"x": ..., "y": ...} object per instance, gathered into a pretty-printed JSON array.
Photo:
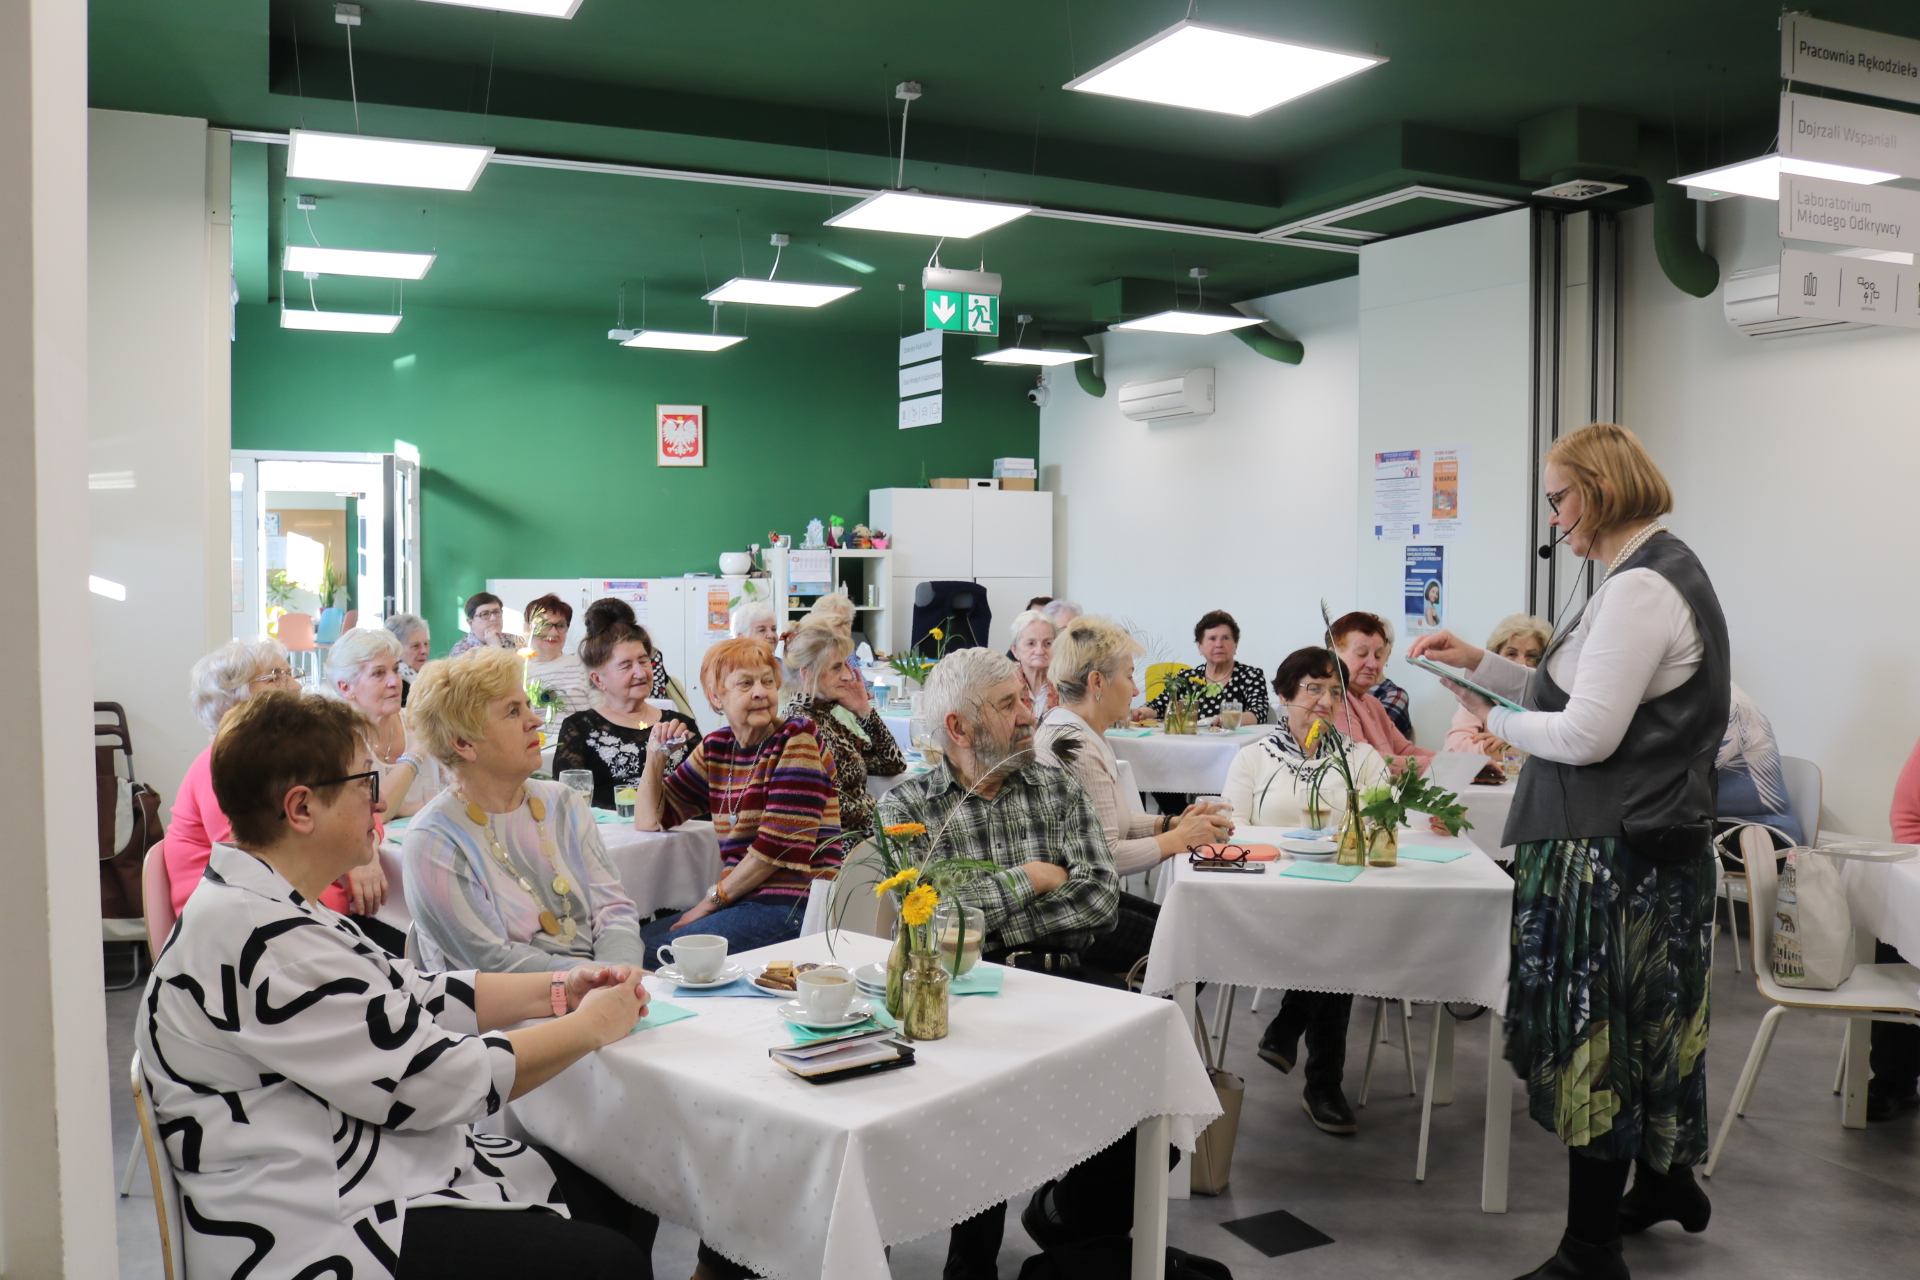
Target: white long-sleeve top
[
  {"x": 1268, "y": 783},
  {"x": 1129, "y": 834},
  {"x": 1635, "y": 641}
]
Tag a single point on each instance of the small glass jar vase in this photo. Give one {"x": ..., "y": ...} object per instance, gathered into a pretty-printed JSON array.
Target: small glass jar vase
[
  {"x": 1182, "y": 717},
  {"x": 957, "y": 932},
  {"x": 897, "y": 969},
  {"x": 1383, "y": 847},
  {"x": 923, "y": 997},
  {"x": 1353, "y": 837}
]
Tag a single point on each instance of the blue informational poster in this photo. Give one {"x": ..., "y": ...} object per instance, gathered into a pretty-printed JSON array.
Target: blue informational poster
[{"x": 1426, "y": 589}]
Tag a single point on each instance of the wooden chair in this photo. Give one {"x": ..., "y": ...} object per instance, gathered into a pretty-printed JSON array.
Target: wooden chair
[
  {"x": 166, "y": 1187},
  {"x": 157, "y": 895}
]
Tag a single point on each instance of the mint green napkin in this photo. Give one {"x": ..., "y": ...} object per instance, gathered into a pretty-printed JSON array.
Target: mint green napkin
[
  {"x": 1129, "y": 733},
  {"x": 1427, "y": 853},
  {"x": 981, "y": 980},
  {"x": 807, "y": 1035},
  {"x": 660, "y": 1013},
  {"x": 1321, "y": 871},
  {"x": 395, "y": 824},
  {"x": 608, "y": 818}
]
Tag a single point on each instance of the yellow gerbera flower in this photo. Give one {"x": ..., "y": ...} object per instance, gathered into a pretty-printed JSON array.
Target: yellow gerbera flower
[
  {"x": 937, "y": 633},
  {"x": 1313, "y": 734},
  {"x": 918, "y": 908},
  {"x": 896, "y": 881},
  {"x": 906, "y": 829}
]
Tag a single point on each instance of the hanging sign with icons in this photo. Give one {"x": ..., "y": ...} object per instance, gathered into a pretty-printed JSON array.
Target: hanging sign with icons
[
  {"x": 1857, "y": 289},
  {"x": 959, "y": 312}
]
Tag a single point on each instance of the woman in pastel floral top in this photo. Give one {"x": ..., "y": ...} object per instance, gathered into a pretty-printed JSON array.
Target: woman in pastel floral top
[
  {"x": 832, "y": 695},
  {"x": 485, "y": 614}
]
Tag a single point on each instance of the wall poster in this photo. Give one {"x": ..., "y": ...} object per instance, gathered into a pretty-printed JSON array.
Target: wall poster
[
  {"x": 1420, "y": 493},
  {"x": 683, "y": 434},
  {"x": 1426, "y": 590},
  {"x": 719, "y": 612}
]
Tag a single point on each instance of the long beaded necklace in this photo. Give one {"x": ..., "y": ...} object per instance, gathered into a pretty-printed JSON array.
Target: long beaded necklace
[
  {"x": 1652, "y": 528},
  {"x": 561, "y": 927}
]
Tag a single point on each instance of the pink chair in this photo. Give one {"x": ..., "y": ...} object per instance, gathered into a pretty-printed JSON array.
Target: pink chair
[
  {"x": 352, "y": 620},
  {"x": 297, "y": 638},
  {"x": 157, "y": 889}
]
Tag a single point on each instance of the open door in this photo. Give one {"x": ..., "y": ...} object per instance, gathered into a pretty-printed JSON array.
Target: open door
[{"x": 401, "y": 553}]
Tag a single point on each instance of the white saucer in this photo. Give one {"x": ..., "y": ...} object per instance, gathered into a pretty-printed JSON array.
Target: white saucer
[
  {"x": 790, "y": 1010},
  {"x": 1310, "y": 850},
  {"x": 729, "y": 972}
]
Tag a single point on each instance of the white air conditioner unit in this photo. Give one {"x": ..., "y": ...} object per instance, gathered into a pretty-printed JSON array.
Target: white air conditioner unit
[
  {"x": 1190, "y": 395},
  {"x": 1751, "y": 300}
]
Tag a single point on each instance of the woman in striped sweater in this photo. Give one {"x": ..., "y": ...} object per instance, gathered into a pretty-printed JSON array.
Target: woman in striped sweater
[{"x": 772, "y": 793}]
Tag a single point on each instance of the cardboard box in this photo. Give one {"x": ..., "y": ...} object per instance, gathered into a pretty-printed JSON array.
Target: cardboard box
[
  {"x": 1013, "y": 482},
  {"x": 946, "y": 484}
]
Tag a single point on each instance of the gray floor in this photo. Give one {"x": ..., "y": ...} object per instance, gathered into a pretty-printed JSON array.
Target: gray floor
[{"x": 1796, "y": 1195}]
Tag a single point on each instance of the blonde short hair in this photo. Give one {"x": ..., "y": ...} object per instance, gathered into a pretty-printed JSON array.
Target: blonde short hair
[
  {"x": 1615, "y": 477},
  {"x": 1025, "y": 619},
  {"x": 815, "y": 646},
  {"x": 1087, "y": 645},
  {"x": 352, "y": 652},
  {"x": 1514, "y": 626},
  {"x": 222, "y": 679},
  {"x": 836, "y": 608},
  {"x": 450, "y": 697}
]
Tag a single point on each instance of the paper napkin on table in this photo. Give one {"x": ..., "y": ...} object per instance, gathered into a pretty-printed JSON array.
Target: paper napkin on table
[
  {"x": 660, "y": 1013},
  {"x": 880, "y": 1020},
  {"x": 1129, "y": 733},
  {"x": 1305, "y": 833},
  {"x": 608, "y": 818},
  {"x": 1321, "y": 871},
  {"x": 1428, "y": 853},
  {"x": 738, "y": 987},
  {"x": 981, "y": 980}
]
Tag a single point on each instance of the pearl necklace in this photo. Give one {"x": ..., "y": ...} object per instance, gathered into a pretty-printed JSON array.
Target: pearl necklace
[
  {"x": 1652, "y": 528},
  {"x": 563, "y": 928}
]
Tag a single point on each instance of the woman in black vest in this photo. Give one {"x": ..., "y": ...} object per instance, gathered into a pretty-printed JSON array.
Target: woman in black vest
[{"x": 1607, "y": 1002}]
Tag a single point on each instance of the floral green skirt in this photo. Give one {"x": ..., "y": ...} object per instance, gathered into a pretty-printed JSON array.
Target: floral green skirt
[{"x": 1607, "y": 1001}]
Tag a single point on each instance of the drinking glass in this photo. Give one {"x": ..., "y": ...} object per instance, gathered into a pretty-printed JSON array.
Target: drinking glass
[
  {"x": 920, "y": 733},
  {"x": 1230, "y": 714},
  {"x": 625, "y": 800},
  {"x": 580, "y": 780}
]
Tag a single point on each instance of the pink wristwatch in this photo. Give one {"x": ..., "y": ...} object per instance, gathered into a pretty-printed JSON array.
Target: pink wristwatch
[{"x": 559, "y": 995}]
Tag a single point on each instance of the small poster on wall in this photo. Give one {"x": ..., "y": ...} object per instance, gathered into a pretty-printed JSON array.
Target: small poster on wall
[
  {"x": 1426, "y": 590},
  {"x": 683, "y": 434},
  {"x": 719, "y": 615}
]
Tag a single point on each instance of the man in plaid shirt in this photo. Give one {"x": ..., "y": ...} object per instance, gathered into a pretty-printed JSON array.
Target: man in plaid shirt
[{"x": 1059, "y": 895}]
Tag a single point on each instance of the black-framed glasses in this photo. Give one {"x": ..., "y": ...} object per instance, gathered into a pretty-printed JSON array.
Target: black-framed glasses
[
  {"x": 489, "y": 614},
  {"x": 373, "y": 783},
  {"x": 1217, "y": 855},
  {"x": 1553, "y": 499}
]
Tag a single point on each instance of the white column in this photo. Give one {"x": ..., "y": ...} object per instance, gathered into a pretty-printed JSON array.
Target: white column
[{"x": 56, "y": 1174}]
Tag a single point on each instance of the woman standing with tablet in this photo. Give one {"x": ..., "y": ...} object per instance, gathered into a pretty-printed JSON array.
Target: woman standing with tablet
[{"x": 1613, "y": 902}]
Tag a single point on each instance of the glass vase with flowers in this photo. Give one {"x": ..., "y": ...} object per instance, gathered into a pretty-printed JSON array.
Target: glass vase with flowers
[
  {"x": 1184, "y": 692},
  {"x": 1386, "y": 806}
]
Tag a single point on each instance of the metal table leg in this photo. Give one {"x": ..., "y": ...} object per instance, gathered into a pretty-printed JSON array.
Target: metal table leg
[{"x": 1499, "y": 1134}]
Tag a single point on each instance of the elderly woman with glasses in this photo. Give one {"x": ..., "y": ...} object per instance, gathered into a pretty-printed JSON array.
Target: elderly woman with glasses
[
  {"x": 485, "y": 615},
  {"x": 363, "y": 667},
  {"x": 562, "y": 677},
  {"x": 505, "y": 873},
  {"x": 832, "y": 695},
  {"x": 410, "y": 629},
  {"x": 220, "y": 682},
  {"x": 1032, "y": 648}
]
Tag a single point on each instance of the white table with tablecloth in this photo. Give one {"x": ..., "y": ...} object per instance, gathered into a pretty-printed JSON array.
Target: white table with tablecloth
[
  {"x": 1420, "y": 931},
  {"x": 1193, "y": 763},
  {"x": 1487, "y": 809},
  {"x": 693, "y": 1122}
]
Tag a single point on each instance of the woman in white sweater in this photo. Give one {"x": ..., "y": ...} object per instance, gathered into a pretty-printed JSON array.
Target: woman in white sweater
[
  {"x": 1270, "y": 782},
  {"x": 1092, "y": 671}
]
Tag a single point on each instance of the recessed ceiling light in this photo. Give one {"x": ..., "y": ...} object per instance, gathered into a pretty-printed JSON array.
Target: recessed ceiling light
[
  {"x": 923, "y": 215},
  {"x": 779, "y": 293},
  {"x": 1196, "y": 322},
  {"x": 671, "y": 341},
  {"x": 534, "y": 8},
  {"x": 389, "y": 162},
  {"x": 1208, "y": 68},
  {"x": 1761, "y": 178},
  {"x": 358, "y": 262},
  {"x": 1032, "y": 355},
  {"x": 338, "y": 321}
]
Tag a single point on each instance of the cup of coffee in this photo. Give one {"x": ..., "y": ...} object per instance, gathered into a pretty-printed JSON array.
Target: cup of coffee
[
  {"x": 825, "y": 993},
  {"x": 699, "y": 956}
]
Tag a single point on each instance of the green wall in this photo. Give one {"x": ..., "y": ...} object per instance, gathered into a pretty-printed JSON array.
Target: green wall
[{"x": 536, "y": 434}]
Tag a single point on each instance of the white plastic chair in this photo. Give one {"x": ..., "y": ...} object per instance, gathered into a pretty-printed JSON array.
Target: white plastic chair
[
  {"x": 1804, "y": 796},
  {"x": 1878, "y": 992},
  {"x": 166, "y": 1187},
  {"x": 847, "y": 901}
]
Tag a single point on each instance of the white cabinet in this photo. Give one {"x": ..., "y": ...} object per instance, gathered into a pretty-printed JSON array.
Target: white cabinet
[{"x": 999, "y": 538}]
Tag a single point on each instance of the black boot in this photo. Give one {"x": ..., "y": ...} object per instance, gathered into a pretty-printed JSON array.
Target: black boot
[
  {"x": 1327, "y": 1107},
  {"x": 1578, "y": 1260},
  {"x": 973, "y": 1246},
  {"x": 1326, "y": 1042},
  {"x": 1672, "y": 1196},
  {"x": 1280, "y": 1044}
]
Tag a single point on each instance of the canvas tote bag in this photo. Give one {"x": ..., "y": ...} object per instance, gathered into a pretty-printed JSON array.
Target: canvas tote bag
[
  {"x": 1812, "y": 927},
  {"x": 1213, "y": 1148}
]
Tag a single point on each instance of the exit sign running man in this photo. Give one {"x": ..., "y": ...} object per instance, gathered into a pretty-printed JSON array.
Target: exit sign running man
[{"x": 963, "y": 312}]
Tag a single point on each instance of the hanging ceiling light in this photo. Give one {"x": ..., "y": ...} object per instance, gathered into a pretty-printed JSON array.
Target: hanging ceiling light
[
  {"x": 389, "y": 162},
  {"x": 357, "y": 262},
  {"x": 923, "y": 215},
  {"x": 1196, "y": 322},
  {"x": 1032, "y": 355},
  {"x": 1760, "y": 178},
  {"x": 778, "y": 293},
  {"x": 1192, "y": 64},
  {"x": 532, "y": 8},
  {"x": 338, "y": 321},
  {"x": 668, "y": 340}
]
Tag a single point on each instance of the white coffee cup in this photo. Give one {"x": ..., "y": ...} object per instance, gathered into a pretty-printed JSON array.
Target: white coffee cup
[
  {"x": 825, "y": 993},
  {"x": 699, "y": 956}
]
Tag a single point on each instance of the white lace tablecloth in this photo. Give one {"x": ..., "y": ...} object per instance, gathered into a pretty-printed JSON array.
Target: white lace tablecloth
[
  {"x": 664, "y": 868},
  {"x": 1885, "y": 900},
  {"x": 1487, "y": 809},
  {"x": 1418, "y": 931},
  {"x": 1195, "y": 763},
  {"x": 692, "y": 1121}
]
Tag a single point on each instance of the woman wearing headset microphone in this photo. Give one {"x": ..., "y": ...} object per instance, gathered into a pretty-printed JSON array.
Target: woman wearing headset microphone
[{"x": 1607, "y": 1005}]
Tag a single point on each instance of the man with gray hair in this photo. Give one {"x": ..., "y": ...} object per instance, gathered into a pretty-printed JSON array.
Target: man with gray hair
[{"x": 1061, "y": 612}]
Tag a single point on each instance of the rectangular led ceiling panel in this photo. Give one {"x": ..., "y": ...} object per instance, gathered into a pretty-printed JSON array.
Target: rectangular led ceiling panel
[
  {"x": 923, "y": 215},
  {"x": 779, "y": 293},
  {"x": 533, "y": 8},
  {"x": 1208, "y": 68},
  {"x": 667, "y": 340},
  {"x": 338, "y": 321},
  {"x": 387, "y": 162},
  {"x": 1761, "y": 178},
  {"x": 358, "y": 262},
  {"x": 1198, "y": 322},
  {"x": 1029, "y": 355}
]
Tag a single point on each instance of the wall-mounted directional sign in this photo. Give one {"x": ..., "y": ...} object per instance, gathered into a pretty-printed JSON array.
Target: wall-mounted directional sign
[{"x": 963, "y": 312}]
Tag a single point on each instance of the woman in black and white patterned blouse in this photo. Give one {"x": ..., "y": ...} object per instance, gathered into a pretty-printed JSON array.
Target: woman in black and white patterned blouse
[
  {"x": 1217, "y": 636},
  {"x": 315, "y": 1095}
]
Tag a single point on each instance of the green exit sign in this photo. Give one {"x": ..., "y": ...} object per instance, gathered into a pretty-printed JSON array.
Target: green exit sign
[{"x": 963, "y": 312}]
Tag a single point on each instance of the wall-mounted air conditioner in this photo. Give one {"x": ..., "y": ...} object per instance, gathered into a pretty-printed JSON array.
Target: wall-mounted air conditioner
[
  {"x": 1189, "y": 395},
  {"x": 1751, "y": 301}
]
